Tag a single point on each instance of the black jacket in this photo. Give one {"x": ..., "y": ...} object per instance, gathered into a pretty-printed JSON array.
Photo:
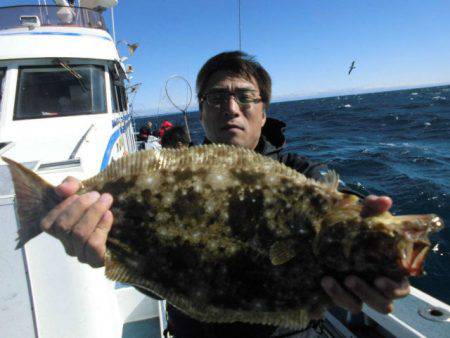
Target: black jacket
[
  {"x": 182, "y": 326},
  {"x": 271, "y": 144}
]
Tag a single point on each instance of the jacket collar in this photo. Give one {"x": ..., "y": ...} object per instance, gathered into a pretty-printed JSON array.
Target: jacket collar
[{"x": 272, "y": 138}]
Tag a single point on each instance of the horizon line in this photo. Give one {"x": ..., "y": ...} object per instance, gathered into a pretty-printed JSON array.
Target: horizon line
[{"x": 330, "y": 94}]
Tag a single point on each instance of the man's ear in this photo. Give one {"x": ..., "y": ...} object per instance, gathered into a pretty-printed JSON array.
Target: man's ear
[
  {"x": 264, "y": 117},
  {"x": 200, "y": 109}
]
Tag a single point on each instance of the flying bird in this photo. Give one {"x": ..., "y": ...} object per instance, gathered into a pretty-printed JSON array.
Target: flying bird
[{"x": 352, "y": 66}]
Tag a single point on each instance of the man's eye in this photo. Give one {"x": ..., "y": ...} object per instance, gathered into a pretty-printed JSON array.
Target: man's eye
[
  {"x": 216, "y": 97},
  {"x": 245, "y": 97}
]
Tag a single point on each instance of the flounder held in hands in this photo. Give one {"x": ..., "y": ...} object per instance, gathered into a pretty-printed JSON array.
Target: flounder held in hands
[{"x": 226, "y": 235}]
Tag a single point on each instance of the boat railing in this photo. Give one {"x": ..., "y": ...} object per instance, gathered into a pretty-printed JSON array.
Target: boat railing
[{"x": 50, "y": 16}]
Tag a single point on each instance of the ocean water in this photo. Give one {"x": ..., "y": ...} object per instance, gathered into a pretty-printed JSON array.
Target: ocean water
[{"x": 391, "y": 143}]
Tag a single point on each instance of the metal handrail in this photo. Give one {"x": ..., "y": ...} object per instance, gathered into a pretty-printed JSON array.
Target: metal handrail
[{"x": 48, "y": 16}]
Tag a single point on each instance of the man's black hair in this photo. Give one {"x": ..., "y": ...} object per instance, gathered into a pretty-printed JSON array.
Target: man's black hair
[{"x": 235, "y": 63}]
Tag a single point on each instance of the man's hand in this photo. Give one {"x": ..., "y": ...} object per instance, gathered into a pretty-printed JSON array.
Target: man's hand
[
  {"x": 374, "y": 205},
  {"x": 81, "y": 222},
  {"x": 379, "y": 296}
]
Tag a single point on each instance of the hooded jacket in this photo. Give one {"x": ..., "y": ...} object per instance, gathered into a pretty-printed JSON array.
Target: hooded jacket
[{"x": 271, "y": 144}]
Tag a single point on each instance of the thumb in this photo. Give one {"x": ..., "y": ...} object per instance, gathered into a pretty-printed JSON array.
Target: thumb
[
  {"x": 68, "y": 187},
  {"x": 374, "y": 205}
]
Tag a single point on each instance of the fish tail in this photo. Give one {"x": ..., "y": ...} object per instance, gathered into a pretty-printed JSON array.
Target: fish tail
[{"x": 34, "y": 199}]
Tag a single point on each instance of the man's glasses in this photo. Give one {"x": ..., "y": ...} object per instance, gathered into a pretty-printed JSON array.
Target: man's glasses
[{"x": 244, "y": 98}]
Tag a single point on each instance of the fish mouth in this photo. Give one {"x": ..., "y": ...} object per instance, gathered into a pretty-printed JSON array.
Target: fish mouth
[
  {"x": 413, "y": 257},
  {"x": 415, "y": 246}
]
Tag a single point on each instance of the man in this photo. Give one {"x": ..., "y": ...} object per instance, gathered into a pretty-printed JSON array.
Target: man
[
  {"x": 234, "y": 94},
  {"x": 150, "y": 127},
  {"x": 175, "y": 137},
  {"x": 144, "y": 132},
  {"x": 165, "y": 126}
]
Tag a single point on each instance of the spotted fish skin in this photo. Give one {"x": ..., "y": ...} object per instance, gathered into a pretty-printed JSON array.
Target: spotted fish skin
[
  {"x": 212, "y": 219},
  {"x": 228, "y": 235}
]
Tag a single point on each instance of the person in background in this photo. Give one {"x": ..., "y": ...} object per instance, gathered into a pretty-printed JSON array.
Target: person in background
[
  {"x": 175, "y": 137},
  {"x": 234, "y": 94},
  {"x": 144, "y": 132},
  {"x": 151, "y": 131},
  {"x": 67, "y": 14},
  {"x": 166, "y": 125}
]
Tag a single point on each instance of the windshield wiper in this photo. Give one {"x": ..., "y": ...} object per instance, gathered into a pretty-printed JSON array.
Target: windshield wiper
[{"x": 73, "y": 72}]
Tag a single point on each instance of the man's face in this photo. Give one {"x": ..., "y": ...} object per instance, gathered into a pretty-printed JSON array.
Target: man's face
[{"x": 231, "y": 122}]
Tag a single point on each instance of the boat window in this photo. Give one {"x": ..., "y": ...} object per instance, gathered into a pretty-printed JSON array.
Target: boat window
[
  {"x": 51, "y": 15},
  {"x": 114, "y": 96},
  {"x": 118, "y": 94},
  {"x": 2, "y": 80},
  {"x": 123, "y": 98},
  {"x": 55, "y": 91}
]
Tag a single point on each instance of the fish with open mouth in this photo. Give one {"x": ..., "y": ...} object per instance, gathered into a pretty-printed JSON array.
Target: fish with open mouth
[{"x": 225, "y": 234}]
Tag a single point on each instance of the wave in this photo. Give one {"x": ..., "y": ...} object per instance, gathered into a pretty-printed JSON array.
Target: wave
[
  {"x": 415, "y": 105},
  {"x": 439, "y": 98}
]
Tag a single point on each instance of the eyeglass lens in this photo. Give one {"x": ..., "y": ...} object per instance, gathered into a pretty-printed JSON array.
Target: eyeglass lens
[{"x": 242, "y": 97}]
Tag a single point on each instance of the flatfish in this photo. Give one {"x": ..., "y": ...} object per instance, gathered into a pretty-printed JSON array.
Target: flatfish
[{"x": 225, "y": 234}]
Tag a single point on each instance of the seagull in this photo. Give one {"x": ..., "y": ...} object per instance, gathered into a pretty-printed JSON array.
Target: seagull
[{"x": 352, "y": 66}]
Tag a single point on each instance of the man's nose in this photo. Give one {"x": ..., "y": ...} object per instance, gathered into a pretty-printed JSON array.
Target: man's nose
[{"x": 231, "y": 105}]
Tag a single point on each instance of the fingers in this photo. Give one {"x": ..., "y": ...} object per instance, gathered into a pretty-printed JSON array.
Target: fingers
[
  {"x": 86, "y": 226},
  {"x": 340, "y": 296},
  {"x": 96, "y": 245},
  {"x": 50, "y": 218},
  {"x": 379, "y": 298},
  {"x": 68, "y": 187},
  {"x": 69, "y": 216},
  {"x": 64, "y": 224},
  {"x": 374, "y": 205},
  {"x": 47, "y": 223},
  {"x": 81, "y": 223},
  {"x": 391, "y": 289},
  {"x": 369, "y": 295}
]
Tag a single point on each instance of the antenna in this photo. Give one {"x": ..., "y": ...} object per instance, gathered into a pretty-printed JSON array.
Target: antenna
[
  {"x": 239, "y": 23},
  {"x": 112, "y": 24}
]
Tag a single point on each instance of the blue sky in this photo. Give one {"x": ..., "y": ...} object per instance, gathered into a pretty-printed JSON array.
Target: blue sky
[{"x": 306, "y": 46}]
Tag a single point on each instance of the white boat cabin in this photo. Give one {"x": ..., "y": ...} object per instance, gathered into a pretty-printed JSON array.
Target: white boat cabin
[{"x": 63, "y": 111}]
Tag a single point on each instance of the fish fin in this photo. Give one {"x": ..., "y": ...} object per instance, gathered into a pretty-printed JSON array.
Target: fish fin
[
  {"x": 120, "y": 272},
  {"x": 281, "y": 252},
  {"x": 34, "y": 199},
  {"x": 331, "y": 179}
]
